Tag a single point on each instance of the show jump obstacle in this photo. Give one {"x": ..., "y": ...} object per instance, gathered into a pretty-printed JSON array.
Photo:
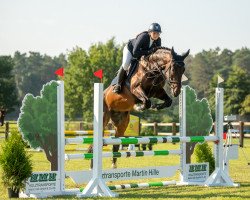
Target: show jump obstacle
[{"x": 96, "y": 179}]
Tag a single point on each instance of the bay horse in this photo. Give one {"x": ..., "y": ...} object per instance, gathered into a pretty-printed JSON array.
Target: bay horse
[{"x": 162, "y": 66}]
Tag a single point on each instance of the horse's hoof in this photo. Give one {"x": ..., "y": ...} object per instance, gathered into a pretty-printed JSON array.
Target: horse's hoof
[
  {"x": 153, "y": 107},
  {"x": 148, "y": 104},
  {"x": 139, "y": 108},
  {"x": 169, "y": 103},
  {"x": 114, "y": 166}
]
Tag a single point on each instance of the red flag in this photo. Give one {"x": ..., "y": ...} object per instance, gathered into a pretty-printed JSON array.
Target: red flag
[
  {"x": 98, "y": 73},
  {"x": 60, "y": 72}
]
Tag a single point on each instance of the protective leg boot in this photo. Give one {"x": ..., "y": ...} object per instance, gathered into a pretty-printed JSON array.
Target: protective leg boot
[{"x": 121, "y": 75}]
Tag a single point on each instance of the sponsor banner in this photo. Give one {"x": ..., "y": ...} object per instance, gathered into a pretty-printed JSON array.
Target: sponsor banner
[
  {"x": 40, "y": 182},
  {"x": 80, "y": 177},
  {"x": 197, "y": 172}
]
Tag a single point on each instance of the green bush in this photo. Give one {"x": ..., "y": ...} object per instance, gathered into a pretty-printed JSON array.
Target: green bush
[
  {"x": 203, "y": 153},
  {"x": 15, "y": 162},
  {"x": 147, "y": 131}
]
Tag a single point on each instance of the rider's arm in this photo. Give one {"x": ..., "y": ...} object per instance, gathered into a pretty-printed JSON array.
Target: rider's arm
[
  {"x": 158, "y": 42},
  {"x": 137, "y": 51}
]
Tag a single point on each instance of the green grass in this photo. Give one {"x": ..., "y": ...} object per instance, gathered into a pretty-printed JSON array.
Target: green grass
[{"x": 239, "y": 172}]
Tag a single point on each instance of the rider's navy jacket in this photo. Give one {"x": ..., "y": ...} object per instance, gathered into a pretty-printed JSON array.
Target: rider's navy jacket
[{"x": 139, "y": 46}]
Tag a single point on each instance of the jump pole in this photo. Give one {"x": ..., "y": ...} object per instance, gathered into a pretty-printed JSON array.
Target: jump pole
[
  {"x": 219, "y": 177},
  {"x": 182, "y": 118},
  {"x": 96, "y": 186}
]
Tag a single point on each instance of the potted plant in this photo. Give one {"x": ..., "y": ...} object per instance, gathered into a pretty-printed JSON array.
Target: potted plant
[{"x": 15, "y": 163}]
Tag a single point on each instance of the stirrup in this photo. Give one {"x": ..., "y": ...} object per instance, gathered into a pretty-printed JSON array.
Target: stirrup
[{"x": 117, "y": 89}]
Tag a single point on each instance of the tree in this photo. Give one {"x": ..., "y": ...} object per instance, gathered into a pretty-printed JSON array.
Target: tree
[
  {"x": 78, "y": 85},
  {"x": 245, "y": 106},
  {"x": 225, "y": 60},
  {"x": 38, "y": 122},
  {"x": 33, "y": 70},
  {"x": 8, "y": 93},
  {"x": 198, "y": 119},
  {"x": 241, "y": 59},
  {"x": 200, "y": 74},
  {"x": 79, "y": 78},
  {"x": 107, "y": 56},
  {"x": 236, "y": 90}
]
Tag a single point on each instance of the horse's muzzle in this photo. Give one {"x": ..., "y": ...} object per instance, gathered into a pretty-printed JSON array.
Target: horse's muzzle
[{"x": 175, "y": 89}]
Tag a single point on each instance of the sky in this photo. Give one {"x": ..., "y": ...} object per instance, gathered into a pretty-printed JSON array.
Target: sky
[{"x": 57, "y": 26}]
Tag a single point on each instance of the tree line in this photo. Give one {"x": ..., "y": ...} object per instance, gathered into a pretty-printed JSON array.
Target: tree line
[{"x": 27, "y": 72}]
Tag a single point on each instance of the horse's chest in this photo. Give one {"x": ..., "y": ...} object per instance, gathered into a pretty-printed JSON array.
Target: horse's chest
[{"x": 150, "y": 83}]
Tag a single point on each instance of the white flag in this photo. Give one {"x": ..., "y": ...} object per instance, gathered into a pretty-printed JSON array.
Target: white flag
[
  {"x": 184, "y": 78},
  {"x": 220, "y": 80}
]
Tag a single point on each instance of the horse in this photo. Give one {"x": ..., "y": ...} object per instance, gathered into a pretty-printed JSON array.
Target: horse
[
  {"x": 2, "y": 115},
  {"x": 148, "y": 80}
]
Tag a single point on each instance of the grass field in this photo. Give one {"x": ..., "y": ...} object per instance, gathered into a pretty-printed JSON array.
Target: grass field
[{"x": 239, "y": 171}]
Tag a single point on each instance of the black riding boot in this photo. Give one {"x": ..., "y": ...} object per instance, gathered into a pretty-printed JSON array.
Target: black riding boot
[{"x": 121, "y": 76}]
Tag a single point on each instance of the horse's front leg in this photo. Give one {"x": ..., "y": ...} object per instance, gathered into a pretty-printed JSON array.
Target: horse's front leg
[
  {"x": 140, "y": 94},
  {"x": 162, "y": 95}
]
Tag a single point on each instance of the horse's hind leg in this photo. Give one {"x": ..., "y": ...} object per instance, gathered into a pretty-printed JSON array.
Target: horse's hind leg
[
  {"x": 106, "y": 114},
  {"x": 120, "y": 121}
]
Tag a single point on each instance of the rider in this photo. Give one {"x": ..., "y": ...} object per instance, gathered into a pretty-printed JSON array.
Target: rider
[{"x": 144, "y": 43}]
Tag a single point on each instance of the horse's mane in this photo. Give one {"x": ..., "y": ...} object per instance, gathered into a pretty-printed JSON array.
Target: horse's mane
[{"x": 156, "y": 49}]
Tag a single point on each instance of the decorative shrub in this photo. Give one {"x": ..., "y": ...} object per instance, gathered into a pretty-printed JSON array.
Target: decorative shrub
[
  {"x": 203, "y": 153},
  {"x": 15, "y": 162}
]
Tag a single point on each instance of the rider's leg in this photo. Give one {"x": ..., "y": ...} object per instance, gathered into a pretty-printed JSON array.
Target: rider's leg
[
  {"x": 126, "y": 59},
  {"x": 121, "y": 76}
]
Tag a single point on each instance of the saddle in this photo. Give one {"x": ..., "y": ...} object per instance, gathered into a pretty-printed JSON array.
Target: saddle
[{"x": 133, "y": 66}]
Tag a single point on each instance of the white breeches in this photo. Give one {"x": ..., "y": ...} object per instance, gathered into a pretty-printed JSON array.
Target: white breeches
[{"x": 126, "y": 58}]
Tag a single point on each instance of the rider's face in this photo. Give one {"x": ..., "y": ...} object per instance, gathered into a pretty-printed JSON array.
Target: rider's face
[{"x": 154, "y": 35}]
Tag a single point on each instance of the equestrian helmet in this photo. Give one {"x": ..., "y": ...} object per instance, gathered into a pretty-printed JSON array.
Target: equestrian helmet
[{"x": 155, "y": 27}]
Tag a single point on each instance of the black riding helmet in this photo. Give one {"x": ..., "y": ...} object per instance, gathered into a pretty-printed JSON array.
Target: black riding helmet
[{"x": 155, "y": 27}]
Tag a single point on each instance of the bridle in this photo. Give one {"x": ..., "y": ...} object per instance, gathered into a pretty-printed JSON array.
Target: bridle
[
  {"x": 160, "y": 71},
  {"x": 171, "y": 64}
]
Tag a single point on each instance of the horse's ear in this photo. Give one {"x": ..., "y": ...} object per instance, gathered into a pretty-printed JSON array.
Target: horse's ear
[
  {"x": 185, "y": 54},
  {"x": 173, "y": 52}
]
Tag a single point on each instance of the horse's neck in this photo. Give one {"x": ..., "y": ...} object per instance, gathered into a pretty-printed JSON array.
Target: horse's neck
[{"x": 160, "y": 58}]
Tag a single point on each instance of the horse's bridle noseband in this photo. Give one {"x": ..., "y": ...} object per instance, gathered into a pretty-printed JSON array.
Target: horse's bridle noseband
[{"x": 171, "y": 64}]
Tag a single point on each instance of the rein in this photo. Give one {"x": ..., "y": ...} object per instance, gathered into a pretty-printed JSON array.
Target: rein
[{"x": 159, "y": 69}]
